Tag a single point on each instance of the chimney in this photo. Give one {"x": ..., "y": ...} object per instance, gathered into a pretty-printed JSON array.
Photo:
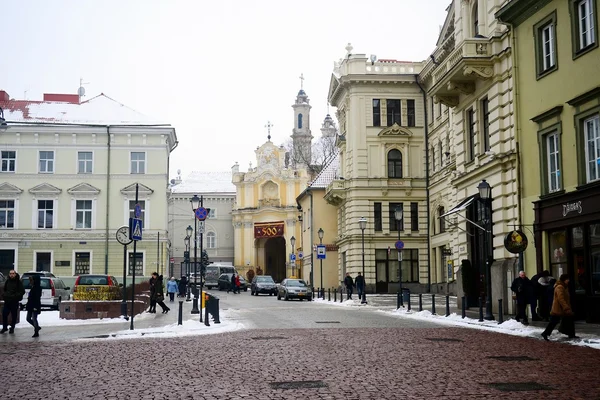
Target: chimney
[
  {"x": 4, "y": 96},
  {"x": 62, "y": 98}
]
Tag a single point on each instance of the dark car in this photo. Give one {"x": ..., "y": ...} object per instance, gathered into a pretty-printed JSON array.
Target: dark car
[
  {"x": 224, "y": 282},
  {"x": 294, "y": 289},
  {"x": 263, "y": 284}
]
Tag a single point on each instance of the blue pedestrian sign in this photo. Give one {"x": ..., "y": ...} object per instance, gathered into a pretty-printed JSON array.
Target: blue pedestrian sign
[
  {"x": 292, "y": 257},
  {"x": 399, "y": 245},
  {"x": 135, "y": 229},
  {"x": 201, "y": 213},
  {"x": 321, "y": 252}
]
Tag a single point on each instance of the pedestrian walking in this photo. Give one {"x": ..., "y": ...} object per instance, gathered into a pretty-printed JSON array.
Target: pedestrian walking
[
  {"x": 238, "y": 284},
  {"x": 561, "y": 310},
  {"x": 152, "y": 281},
  {"x": 182, "y": 286},
  {"x": 523, "y": 290},
  {"x": 159, "y": 294},
  {"x": 359, "y": 282},
  {"x": 543, "y": 301},
  {"x": 172, "y": 289},
  {"x": 349, "y": 283},
  {"x": 232, "y": 285},
  {"x": 13, "y": 294},
  {"x": 34, "y": 303},
  {"x": 536, "y": 289}
]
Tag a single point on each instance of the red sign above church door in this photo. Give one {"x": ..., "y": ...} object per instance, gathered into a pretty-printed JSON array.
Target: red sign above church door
[{"x": 268, "y": 229}]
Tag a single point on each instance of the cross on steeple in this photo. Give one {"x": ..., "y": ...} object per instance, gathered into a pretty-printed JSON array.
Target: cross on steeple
[
  {"x": 269, "y": 126},
  {"x": 302, "y": 81}
]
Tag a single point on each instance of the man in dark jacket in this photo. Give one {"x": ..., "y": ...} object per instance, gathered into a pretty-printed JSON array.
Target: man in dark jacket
[
  {"x": 359, "y": 281},
  {"x": 524, "y": 291},
  {"x": 152, "y": 281},
  {"x": 34, "y": 303},
  {"x": 13, "y": 293},
  {"x": 349, "y": 283}
]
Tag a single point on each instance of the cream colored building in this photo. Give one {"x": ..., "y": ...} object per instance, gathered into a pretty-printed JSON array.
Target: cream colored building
[
  {"x": 67, "y": 182},
  {"x": 469, "y": 82},
  {"x": 382, "y": 150}
]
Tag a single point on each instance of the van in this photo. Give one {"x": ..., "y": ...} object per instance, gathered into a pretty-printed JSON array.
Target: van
[{"x": 213, "y": 272}]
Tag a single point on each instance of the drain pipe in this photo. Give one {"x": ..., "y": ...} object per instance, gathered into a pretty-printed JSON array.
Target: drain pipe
[
  {"x": 428, "y": 208},
  {"x": 107, "y": 199}
]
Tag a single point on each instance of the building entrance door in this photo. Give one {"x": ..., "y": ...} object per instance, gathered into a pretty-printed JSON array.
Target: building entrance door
[{"x": 275, "y": 259}]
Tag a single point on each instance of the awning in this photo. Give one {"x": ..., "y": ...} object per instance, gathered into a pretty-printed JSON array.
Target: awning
[{"x": 462, "y": 205}]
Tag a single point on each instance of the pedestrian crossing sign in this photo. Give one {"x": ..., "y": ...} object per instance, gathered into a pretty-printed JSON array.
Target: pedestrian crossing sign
[{"x": 135, "y": 228}]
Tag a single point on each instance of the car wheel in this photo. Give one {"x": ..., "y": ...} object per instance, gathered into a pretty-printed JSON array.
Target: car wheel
[
  {"x": 278, "y": 296},
  {"x": 245, "y": 289}
]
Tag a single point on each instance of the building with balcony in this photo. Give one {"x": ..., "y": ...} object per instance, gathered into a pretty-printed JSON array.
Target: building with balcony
[
  {"x": 472, "y": 137},
  {"x": 68, "y": 177},
  {"x": 380, "y": 111},
  {"x": 217, "y": 193},
  {"x": 558, "y": 108}
]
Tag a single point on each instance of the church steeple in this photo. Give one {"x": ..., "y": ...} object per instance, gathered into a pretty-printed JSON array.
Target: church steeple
[
  {"x": 328, "y": 129},
  {"x": 301, "y": 135}
]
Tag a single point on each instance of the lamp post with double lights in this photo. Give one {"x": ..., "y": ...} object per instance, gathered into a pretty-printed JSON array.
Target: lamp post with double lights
[
  {"x": 195, "y": 202},
  {"x": 321, "y": 234},
  {"x": 293, "y": 262},
  {"x": 485, "y": 197},
  {"x": 362, "y": 223},
  {"x": 398, "y": 215},
  {"x": 189, "y": 231}
]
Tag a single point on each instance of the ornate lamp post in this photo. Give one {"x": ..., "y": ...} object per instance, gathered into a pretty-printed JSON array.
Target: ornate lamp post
[
  {"x": 293, "y": 243},
  {"x": 362, "y": 223},
  {"x": 189, "y": 231},
  {"x": 195, "y": 202},
  {"x": 398, "y": 215},
  {"x": 485, "y": 197},
  {"x": 321, "y": 234}
]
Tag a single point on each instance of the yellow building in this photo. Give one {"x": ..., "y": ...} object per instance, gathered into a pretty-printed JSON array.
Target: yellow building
[{"x": 558, "y": 107}]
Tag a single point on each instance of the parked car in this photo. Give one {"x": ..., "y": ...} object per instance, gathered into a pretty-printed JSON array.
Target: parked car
[
  {"x": 224, "y": 282},
  {"x": 40, "y": 273},
  {"x": 54, "y": 292},
  {"x": 96, "y": 287},
  {"x": 294, "y": 289},
  {"x": 263, "y": 284}
]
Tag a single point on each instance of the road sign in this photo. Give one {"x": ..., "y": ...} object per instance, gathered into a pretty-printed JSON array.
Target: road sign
[
  {"x": 201, "y": 213},
  {"x": 137, "y": 212},
  {"x": 321, "y": 252},
  {"x": 135, "y": 228},
  {"x": 399, "y": 245},
  {"x": 171, "y": 259},
  {"x": 300, "y": 254},
  {"x": 292, "y": 257},
  {"x": 201, "y": 227}
]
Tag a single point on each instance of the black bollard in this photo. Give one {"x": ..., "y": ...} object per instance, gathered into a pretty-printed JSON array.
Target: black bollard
[
  {"x": 500, "y": 312},
  {"x": 335, "y": 295},
  {"x": 323, "y": 293},
  {"x": 408, "y": 305},
  {"x": 329, "y": 294},
  {"x": 180, "y": 315},
  {"x": 215, "y": 310},
  {"x": 447, "y": 306},
  {"x": 433, "y": 304},
  {"x": 480, "y": 309},
  {"x": 464, "y": 306},
  {"x": 398, "y": 296},
  {"x": 318, "y": 293},
  {"x": 207, "y": 307},
  {"x": 420, "y": 301},
  {"x": 401, "y": 299}
]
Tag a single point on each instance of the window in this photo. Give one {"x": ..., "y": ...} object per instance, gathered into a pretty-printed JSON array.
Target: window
[
  {"x": 45, "y": 214},
  {"x": 545, "y": 45},
  {"x": 410, "y": 265},
  {"x": 414, "y": 216},
  {"x": 591, "y": 133},
  {"x": 475, "y": 19},
  {"x": 138, "y": 162},
  {"x": 471, "y": 134},
  {"x": 212, "y": 213},
  {"x": 47, "y": 162},
  {"x": 393, "y": 112},
  {"x": 132, "y": 210},
  {"x": 82, "y": 263},
  {"x": 7, "y": 214},
  {"x": 377, "y": 217},
  {"x": 376, "y": 112},
  {"x": 433, "y": 164},
  {"x": 410, "y": 112},
  {"x": 84, "y": 162},
  {"x": 43, "y": 262},
  {"x": 485, "y": 117},
  {"x": 553, "y": 159},
  {"x": 139, "y": 264},
  {"x": 211, "y": 240},
  {"x": 394, "y": 225},
  {"x": 441, "y": 151},
  {"x": 299, "y": 121},
  {"x": 441, "y": 212},
  {"x": 394, "y": 164},
  {"x": 9, "y": 158},
  {"x": 83, "y": 214},
  {"x": 584, "y": 26}
]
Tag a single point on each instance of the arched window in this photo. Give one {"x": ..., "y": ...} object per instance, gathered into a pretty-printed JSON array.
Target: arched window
[
  {"x": 299, "y": 121},
  {"x": 432, "y": 158},
  {"x": 475, "y": 19},
  {"x": 211, "y": 240},
  {"x": 442, "y": 220},
  {"x": 394, "y": 158}
]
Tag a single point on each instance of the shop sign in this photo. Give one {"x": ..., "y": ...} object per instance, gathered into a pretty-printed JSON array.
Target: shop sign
[
  {"x": 516, "y": 242},
  {"x": 268, "y": 229},
  {"x": 572, "y": 207}
]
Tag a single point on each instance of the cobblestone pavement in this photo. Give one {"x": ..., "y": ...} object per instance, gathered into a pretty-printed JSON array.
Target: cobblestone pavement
[{"x": 338, "y": 363}]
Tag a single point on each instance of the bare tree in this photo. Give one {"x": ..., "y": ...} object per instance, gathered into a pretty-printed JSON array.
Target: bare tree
[{"x": 322, "y": 150}]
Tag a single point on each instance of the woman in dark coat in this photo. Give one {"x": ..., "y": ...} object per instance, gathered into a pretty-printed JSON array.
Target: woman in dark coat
[
  {"x": 159, "y": 295},
  {"x": 34, "y": 303},
  {"x": 152, "y": 281},
  {"x": 182, "y": 286}
]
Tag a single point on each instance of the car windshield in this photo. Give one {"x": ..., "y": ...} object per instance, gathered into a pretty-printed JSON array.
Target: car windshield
[
  {"x": 93, "y": 280},
  {"x": 265, "y": 279},
  {"x": 295, "y": 282},
  {"x": 44, "y": 283}
]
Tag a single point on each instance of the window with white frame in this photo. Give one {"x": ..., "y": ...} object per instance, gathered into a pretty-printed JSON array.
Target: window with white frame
[
  {"x": 213, "y": 213},
  {"x": 548, "y": 46},
  {"x": 585, "y": 23},
  {"x": 553, "y": 159},
  {"x": 7, "y": 214},
  {"x": 47, "y": 162},
  {"x": 211, "y": 240},
  {"x": 9, "y": 159},
  {"x": 83, "y": 214},
  {"x": 45, "y": 214},
  {"x": 592, "y": 147},
  {"x": 138, "y": 162},
  {"x": 84, "y": 162}
]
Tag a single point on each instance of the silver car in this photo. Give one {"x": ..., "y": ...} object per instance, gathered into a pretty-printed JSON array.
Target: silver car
[
  {"x": 54, "y": 292},
  {"x": 294, "y": 289}
]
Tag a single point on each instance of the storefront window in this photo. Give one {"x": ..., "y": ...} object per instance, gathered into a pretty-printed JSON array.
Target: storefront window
[
  {"x": 595, "y": 234},
  {"x": 558, "y": 253},
  {"x": 577, "y": 234}
]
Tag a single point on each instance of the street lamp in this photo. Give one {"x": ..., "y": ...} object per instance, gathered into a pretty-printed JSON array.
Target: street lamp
[
  {"x": 362, "y": 223},
  {"x": 321, "y": 233},
  {"x": 189, "y": 230},
  {"x": 485, "y": 196},
  {"x": 398, "y": 214},
  {"x": 293, "y": 243},
  {"x": 195, "y": 201}
]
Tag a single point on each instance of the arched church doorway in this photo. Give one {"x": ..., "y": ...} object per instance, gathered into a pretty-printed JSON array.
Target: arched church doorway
[{"x": 275, "y": 258}]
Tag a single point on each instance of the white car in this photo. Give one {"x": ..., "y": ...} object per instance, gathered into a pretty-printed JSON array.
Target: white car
[{"x": 54, "y": 292}]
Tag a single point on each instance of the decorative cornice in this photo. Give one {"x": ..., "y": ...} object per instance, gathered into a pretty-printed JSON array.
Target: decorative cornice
[
  {"x": 518, "y": 11},
  {"x": 142, "y": 189},
  {"x": 583, "y": 98},
  {"x": 8, "y": 189},
  {"x": 45, "y": 189},
  {"x": 395, "y": 130},
  {"x": 83, "y": 189}
]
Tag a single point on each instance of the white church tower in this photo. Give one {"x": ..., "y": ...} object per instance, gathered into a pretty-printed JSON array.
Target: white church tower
[{"x": 301, "y": 136}]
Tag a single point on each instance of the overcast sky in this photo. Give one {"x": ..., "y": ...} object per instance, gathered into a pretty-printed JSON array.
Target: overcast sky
[{"x": 217, "y": 71}]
